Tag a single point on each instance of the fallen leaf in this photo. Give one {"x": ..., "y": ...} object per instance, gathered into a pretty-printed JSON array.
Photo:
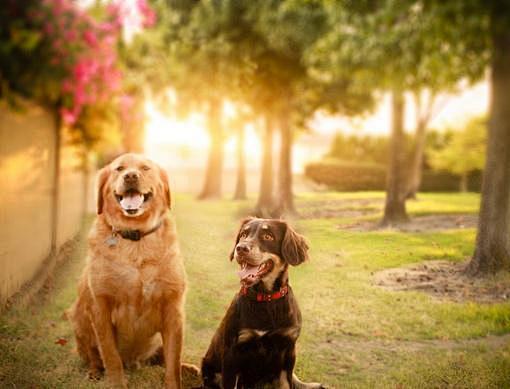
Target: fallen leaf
[{"x": 61, "y": 341}]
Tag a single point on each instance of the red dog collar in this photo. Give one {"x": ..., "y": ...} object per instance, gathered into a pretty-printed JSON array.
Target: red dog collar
[{"x": 259, "y": 296}]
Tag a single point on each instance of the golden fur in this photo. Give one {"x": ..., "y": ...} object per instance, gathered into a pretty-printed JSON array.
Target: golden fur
[{"x": 131, "y": 294}]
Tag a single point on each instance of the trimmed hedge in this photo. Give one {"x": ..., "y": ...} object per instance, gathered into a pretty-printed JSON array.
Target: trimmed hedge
[
  {"x": 347, "y": 176},
  {"x": 343, "y": 176}
]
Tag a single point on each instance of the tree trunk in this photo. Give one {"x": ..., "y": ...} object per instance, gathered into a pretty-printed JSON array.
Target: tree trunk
[
  {"x": 415, "y": 173},
  {"x": 395, "y": 208},
  {"x": 285, "y": 195},
  {"x": 132, "y": 128},
  {"x": 240, "y": 191},
  {"x": 212, "y": 184},
  {"x": 265, "y": 203},
  {"x": 56, "y": 180},
  {"x": 86, "y": 180},
  {"x": 492, "y": 251},
  {"x": 463, "y": 183}
]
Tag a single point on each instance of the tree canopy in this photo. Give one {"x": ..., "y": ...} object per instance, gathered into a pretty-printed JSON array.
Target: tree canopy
[{"x": 464, "y": 152}]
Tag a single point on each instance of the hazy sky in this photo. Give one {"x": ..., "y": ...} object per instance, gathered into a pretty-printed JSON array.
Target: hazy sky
[
  {"x": 456, "y": 110},
  {"x": 184, "y": 143}
]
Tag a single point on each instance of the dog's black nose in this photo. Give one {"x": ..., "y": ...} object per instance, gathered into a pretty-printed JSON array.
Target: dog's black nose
[
  {"x": 131, "y": 177},
  {"x": 242, "y": 248}
]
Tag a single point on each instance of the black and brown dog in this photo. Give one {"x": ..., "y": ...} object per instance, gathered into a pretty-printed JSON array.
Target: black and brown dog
[{"x": 255, "y": 343}]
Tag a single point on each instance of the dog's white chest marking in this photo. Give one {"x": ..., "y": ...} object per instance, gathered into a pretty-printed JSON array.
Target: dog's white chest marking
[{"x": 247, "y": 334}]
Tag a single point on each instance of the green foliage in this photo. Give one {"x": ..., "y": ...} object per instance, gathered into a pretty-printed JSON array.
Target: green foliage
[
  {"x": 391, "y": 45},
  {"x": 464, "y": 152},
  {"x": 344, "y": 176},
  {"x": 249, "y": 52},
  {"x": 372, "y": 149},
  {"x": 97, "y": 128},
  {"x": 375, "y": 149},
  {"x": 355, "y": 176},
  {"x": 354, "y": 334},
  {"x": 24, "y": 55}
]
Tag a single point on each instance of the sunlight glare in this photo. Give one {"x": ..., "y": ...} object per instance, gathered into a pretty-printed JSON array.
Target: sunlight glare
[
  {"x": 252, "y": 146},
  {"x": 162, "y": 129}
]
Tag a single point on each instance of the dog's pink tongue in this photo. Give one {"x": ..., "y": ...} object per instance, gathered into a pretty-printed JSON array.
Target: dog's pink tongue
[
  {"x": 132, "y": 201},
  {"x": 248, "y": 274}
]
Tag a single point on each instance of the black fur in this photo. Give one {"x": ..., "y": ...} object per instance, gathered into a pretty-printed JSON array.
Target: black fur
[{"x": 253, "y": 360}]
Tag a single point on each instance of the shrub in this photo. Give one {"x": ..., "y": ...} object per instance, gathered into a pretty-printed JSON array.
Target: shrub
[{"x": 348, "y": 176}]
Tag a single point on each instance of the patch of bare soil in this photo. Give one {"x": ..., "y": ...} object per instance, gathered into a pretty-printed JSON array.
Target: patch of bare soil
[
  {"x": 445, "y": 280},
  {"x": 428, "y": 223},
  {"x": 341, "y": 208}
]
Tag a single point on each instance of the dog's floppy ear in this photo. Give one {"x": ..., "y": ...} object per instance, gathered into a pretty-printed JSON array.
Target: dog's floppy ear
[
  {"x": 166, "y": 188},
  {"x": 102, "y": 177},
  {"x": 294, "y": 247},
  {"x": 243, "y": 222}
]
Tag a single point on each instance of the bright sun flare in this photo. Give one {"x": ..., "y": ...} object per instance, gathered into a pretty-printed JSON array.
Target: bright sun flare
[
  {"x": 188, "y": 139},
  {"x": 161, "y": 129}
]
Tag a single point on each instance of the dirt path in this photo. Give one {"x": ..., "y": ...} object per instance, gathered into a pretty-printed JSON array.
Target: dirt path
[
  {"x": 445, "y": 280},
  {"x": 428, "y": 223},
  {"x": 345, "y": 208}
]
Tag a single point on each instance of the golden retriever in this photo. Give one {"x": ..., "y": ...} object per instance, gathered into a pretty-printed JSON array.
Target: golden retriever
[{"x": 131, "y": 294}]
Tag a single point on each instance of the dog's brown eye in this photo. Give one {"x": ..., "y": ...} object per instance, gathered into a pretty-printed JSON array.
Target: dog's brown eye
[
  {"x": 244, "y": 234},
  {"x": 120, "y": 168},
  {"x": 267, "y": 237},
  {"x": 145, "y": 167}
]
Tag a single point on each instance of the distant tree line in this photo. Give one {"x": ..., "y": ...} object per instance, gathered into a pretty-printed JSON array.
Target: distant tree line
[{"x": 280, "y": 61}]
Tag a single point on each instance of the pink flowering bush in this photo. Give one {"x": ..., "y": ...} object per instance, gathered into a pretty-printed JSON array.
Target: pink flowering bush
[{"x": 84, "y": 51}]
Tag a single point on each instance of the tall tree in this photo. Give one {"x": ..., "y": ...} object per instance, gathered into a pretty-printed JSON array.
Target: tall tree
[
  {"x": 477, "y": 34},
  {"x": 492, "y": 252},
  {"x": 383, "y": 46},
  {"x": 285, "y": 196},
  {"x": 202, "y": 69},
  {"x": 295, "y": 95},
  {"x": 425, "y": 111},
  {"x": 395, "y": 206},
  {"x": 237, "y": 124},
  {"x": 214, "y": 169},
  {"x": 265, "y": 202},
  {"x": 240, "y": 189}
]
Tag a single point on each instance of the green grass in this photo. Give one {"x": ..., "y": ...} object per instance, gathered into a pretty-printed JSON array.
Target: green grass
[{"x": 354, "y": 333}]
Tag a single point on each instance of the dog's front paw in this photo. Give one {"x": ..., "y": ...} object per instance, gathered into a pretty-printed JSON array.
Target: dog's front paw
[
  {"x": 298, "y": 384},
  {"x": 94, "y": 374}
]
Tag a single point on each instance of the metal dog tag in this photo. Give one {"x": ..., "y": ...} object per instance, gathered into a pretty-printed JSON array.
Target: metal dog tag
[{"x": 111, "y": 241}]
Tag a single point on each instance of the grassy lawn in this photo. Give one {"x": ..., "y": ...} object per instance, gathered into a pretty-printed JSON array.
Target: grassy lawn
[{"x": 355, "y": 334}]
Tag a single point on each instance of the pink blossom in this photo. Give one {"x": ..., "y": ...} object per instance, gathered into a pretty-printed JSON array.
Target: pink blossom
[
  {"x": 149, "y": 16},
  {"x": 84, "y": 50},
  {"x": 69, "y": 117},
  {"x": 126, "y": 102},
  {"x": 67, "y": 86},
  {"x": 90, "y": 38},
  {"x": 48, "y": 29},
  {"x": 70, "y": 35}
]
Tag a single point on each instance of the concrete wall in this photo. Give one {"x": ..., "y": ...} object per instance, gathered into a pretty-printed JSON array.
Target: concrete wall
[{"x": 27, "y": 171}]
